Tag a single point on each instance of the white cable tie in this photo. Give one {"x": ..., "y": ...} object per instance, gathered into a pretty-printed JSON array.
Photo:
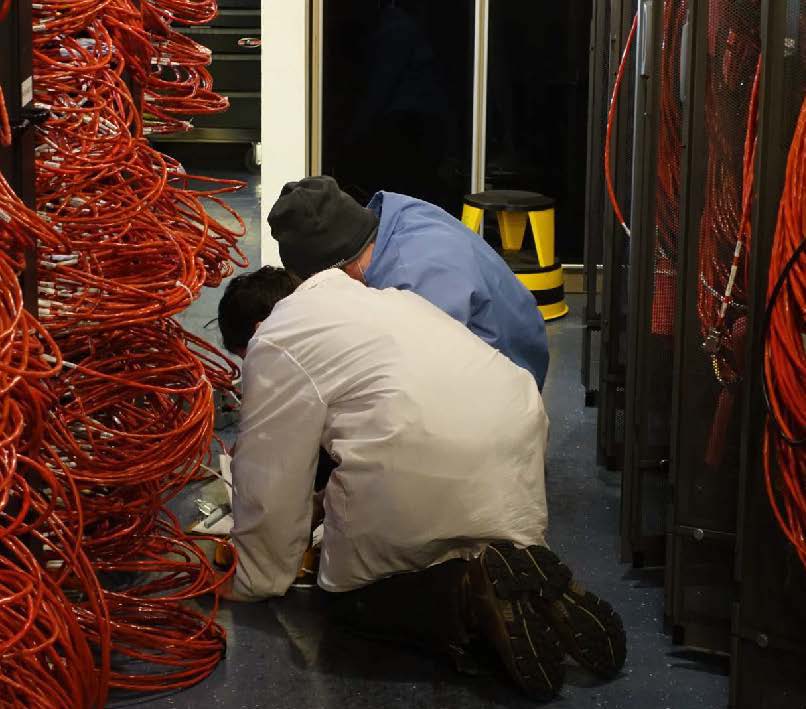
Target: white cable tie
[
  {"x": 189, "y": 292},
  {"x": 626, "y": 229},
  {"x": 731, "y": 280},
  {"x": 219, "y": 475},
  {"x": 50, "y": 359},
  {"x": 5, "y": 216},
  {"x": 51, "y": 264}
]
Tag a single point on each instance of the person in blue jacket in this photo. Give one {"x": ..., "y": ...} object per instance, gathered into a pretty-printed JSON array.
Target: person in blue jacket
[{"x": 405, "y": 243}]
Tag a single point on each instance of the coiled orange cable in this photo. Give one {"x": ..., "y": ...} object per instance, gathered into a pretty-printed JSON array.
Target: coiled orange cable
[{"x": 785, "y": 353}]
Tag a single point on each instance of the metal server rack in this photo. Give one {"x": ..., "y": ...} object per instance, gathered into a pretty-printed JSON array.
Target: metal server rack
[
  {"x": 706, "y": 438},
  {"x": 652, "y": 281},
  {"x": 236, "y": 75},
  {"x": 595, "y": 195},
  {"x": 17, "y": 162},
  {"x": 769, "y": 620},
  {"x": 613, "y": 355}
]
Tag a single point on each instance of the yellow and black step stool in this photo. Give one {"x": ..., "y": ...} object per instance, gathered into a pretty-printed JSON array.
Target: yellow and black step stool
[{"x": 544, "y": 278}]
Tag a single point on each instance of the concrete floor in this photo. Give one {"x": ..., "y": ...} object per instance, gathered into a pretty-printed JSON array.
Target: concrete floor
[{"x": 281, "y": 653}]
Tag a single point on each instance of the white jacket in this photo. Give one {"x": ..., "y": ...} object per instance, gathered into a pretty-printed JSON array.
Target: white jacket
[{"x": 440, "y": 439}]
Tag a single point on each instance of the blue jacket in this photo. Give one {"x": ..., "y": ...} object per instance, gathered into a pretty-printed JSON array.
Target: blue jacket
[{"x": 422, "y": 248}]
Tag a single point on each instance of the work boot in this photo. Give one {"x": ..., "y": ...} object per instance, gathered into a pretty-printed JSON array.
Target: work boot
[
  {"x": 526, "y": 642},
  {"x": 590, "y": 630}
]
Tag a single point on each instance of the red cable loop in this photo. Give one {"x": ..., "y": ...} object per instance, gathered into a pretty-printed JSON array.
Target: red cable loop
[
  {"x": 5, "y": 125},
  {"x": 611, "y": 119},
  {"x": 785, "y": 353}
]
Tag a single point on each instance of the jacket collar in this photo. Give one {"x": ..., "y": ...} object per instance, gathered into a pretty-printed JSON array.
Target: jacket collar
[{"x": 322, "y": 277}]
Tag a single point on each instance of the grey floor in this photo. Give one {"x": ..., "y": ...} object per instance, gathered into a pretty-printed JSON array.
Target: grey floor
[{"x": 282, "y": 654}]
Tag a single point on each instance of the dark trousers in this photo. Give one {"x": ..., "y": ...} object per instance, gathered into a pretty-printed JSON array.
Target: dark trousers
[
  {"x": 324, "y": 470},
  {"x": 422, "y": 608}
]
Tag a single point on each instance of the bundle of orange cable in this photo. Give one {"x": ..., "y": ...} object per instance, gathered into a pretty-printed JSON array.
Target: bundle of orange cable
[
  {"x": 46, "y": 581},
  {"x": 130, "y": 211},
  {"x": 108, "y": 413},
  {"x": 169, "y": 68},
  {"x": 785, "y": 353}
]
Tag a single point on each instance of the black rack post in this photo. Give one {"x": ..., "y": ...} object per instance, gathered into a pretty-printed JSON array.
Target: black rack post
[
  {"x": 648, "y": 376},
  {"x": 613, "y": 357},
  {"x": 17, "y": 162},
  {"x": 769, "y": 620},
  {"x": 595, "y": 194}
]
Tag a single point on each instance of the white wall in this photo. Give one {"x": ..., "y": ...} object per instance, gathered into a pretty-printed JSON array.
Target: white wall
[{"x": 284, "y": 106}]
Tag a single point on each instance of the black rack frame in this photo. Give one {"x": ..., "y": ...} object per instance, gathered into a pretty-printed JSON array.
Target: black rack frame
[
  {"x": 645, "y": 460},
  {"x": 595, "y": 194},
  {"x": 17, "y": 161},
  {"x": 611, "y": 400}
]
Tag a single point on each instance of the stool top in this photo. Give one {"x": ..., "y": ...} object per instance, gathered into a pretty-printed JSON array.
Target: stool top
[{"x": 510, "y": 201}]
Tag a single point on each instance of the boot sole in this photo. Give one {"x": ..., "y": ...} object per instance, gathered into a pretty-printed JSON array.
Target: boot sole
[
  {"x": 590, "y": 630},
  {"x": 527, "y": 643}
]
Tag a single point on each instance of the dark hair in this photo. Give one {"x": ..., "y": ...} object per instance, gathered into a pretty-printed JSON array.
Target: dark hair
[{"x": 248, "y": 300}]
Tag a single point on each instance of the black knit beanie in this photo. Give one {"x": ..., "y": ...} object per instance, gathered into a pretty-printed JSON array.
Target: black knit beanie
[{"x": 319, "y": 227}]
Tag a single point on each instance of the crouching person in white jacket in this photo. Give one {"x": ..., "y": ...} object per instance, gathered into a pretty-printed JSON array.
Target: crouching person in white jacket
[{"x": 435, "y": 514}]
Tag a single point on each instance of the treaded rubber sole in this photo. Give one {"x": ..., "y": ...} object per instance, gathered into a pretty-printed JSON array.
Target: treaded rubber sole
[
  {"x": 532, "y": 649},
  {"x": 590, "y": 630}
]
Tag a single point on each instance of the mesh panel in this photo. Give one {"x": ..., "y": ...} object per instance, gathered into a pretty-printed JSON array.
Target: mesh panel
[
  {"x": 707, "y": 468},
  {"x": 706, "y": 583},
  {"x": 667, "y": 197},
  {"x": 595, "y": 352},
  {"x": 659, "y": 352},
  {"x": 710, "y": 422}
]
